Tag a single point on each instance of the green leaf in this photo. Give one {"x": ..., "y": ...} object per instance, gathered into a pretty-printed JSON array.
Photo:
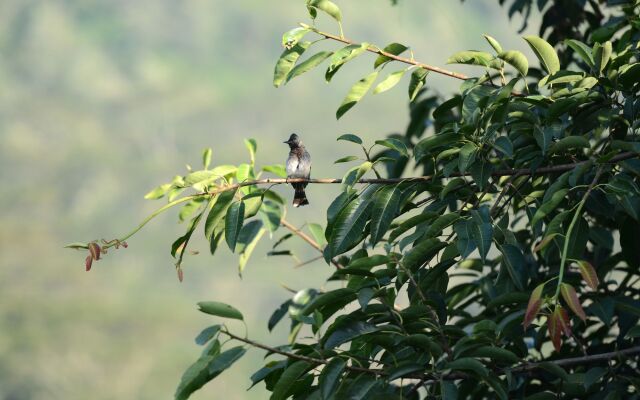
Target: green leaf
[
  {"x": 220, "y": 309},
  {"x": 328, "y": 7},
  {"x": 471, "y": 57},
  {"x": 158, "y": 192},
  {"x": 411, "y": 223},
  {"x": 357, "y": 91},
  {"x": 343, "y": 295},
  {"x": 549, "y": 206},
  {"x": 346, "y": 159},
  {"x": 206, "y": 157},
  {"x": 494, "y": 43},
  {"x": 284, "y": 385},
  {"x": 393, "y": 48},
  {"x": 545, "y": 53},
  {"x": 366, "y": 263},
  {"x": 329, "y": 377},
  {"x": 195, "y": 377},
  {"x": 292, "y": 37},
  {"x": 570, "y": 142},
  {"x": 404, "y": 370},
  {"x": 504, "y": 145},
  {"x": 513, "y": 260},
  {"x": 349, "y": 137},
  {"x": 226, "y": 359},
  {"x": 233, "y": 223},
  {"x": 467, "y": 156},
  {"x": 347, "y": 333},
  {"x": 218, "y": 211},
  {"x": 584, "y": 51},
  {"x": 389, "y": 82},
  {"x": 287, "y": 61},
  {"x": 422, "y": 253},
  {"x": 482, "y": 234},
  {"x": 470, "y": 365},
  {"x": 271, "y": 214},
  {"x": 496, "y": 354},
  {"x": 349, "y": 225},
  {"x": 394, "y": 144},
  {"x": 207, "y": 334},
  {"x": 252, "y": 146},
  {"x": 318, "y": 233},
  {"x": 385, "y": 206},
  {"x": 249, "y": 237},
  {"x": 534, "y": 305},
  {"x": 277, "y": 169},
  {"x": 308, "y": 64},
  {"x": 436, "y": 228},
  {"x": 602, "y": 55},
  {"x": 342, "y": 56},
  {"x": 418, "y": 78},
  {"x": 517, "y": 60}
]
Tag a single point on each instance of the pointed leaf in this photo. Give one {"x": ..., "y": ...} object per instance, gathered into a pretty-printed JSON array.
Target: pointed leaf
[
  {"x": 218, "y": 211},
  {"x": 357, "y": 91},
  {"x": 422, "y": 253},
  {"x": 308, "y": 64},
  {"x": 233, "y": 224},
  {"x": 589, "y": 274},
  {"x": 471, "y": 57},
  {"x": 571, "y": 298},
  {"x": 389, "y": 82},
  {"x": 570, "y": 142},
  {"x": 517, "y": 60},
  {"x": 330, "y": 377},
  {"x": 514, "y": 261},
  {"x": 535, "y": 303},
  {"x": 318, "y": 233},
  {"x": 545, "y": 53},
  {"x": 349, "y": 137},
  {"x": 207, "y": 334},
  {"x": 328, "y": 7},
  {"x": 346, "y": 159},
  {"x": 584, "y": 51},
  {"x": 393, "y": 48},
  {"x": 219, "y": 309},
  {"x": 482, "y": 234},
  {"x": 418, "y": 78},
  {"x": 549, "y": 206},
  {"x": 289, "y": 376},
  {"x": 385, "y": 206},
  {"x": 494, "y": 43},
  {"x": 226, "y": 359},
  {"x": 342, "y": 56},
  {"x": 349, "y": 225},
  {"x": 602, "y": 55}
]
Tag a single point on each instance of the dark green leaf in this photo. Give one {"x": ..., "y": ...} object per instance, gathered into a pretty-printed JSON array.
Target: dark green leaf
[
  {"x": 349, "y": 137},
  {"x": 513, "y": 260},
  {"x": 393, "y": 48},
  {"x": 289, "y": 376},
  {"x": 385, "y": 207},
  {"x": 347, "y": 333},
  {"x": 329, "y": 378},
  {"x": 218, "y": 211},
  {"x": 233, "y": 223},
  {"x": 225, "y": 359},
  {"x": 422, "y": 253},
  {"x": 418, "y": 78},
  {"x": 207, "y": 334}
]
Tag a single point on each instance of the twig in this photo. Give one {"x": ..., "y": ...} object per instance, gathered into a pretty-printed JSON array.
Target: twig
[
  {"x": 376, "y": 50},
  {"x": 307, "y": 239},
  {"x": 566, "y": 362}
]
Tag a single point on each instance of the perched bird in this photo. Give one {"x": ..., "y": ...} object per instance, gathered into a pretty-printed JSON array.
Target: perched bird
[{"x": 298, "y": 166}]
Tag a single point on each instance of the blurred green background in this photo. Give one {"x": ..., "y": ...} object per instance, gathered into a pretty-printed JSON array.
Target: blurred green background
[{"x": 103, "y": 100}]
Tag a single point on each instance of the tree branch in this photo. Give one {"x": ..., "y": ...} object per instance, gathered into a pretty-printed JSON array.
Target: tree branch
[
  {"x": 307, "y": 239},
  {"x": 376, "y": 50},
  {"x": 432, "y": 378},
  {"x": 392, "y": 181}
]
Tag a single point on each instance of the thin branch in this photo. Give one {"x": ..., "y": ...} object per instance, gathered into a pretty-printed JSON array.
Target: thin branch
[
  {"x": 376, "y": 50},
  {"x": 392, "y": 181},
  {"x": 566, "y": 362},
  {"x": 307, "y": 239}
]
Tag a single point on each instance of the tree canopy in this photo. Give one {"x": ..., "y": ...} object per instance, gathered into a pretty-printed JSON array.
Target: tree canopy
[{"x": 490, "y": 251}]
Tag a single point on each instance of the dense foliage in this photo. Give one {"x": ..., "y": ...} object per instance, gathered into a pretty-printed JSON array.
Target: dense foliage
[{"x": 499, "y": 255}]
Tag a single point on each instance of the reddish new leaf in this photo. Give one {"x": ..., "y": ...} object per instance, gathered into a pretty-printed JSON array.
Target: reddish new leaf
[
  {"x": 589, "y": 274},
  {"x": 544, "y": 242},
  {"x": 94, "y": 249},
  {"x": 571, "y": 297},
  {"x": 558, "y": 323},
  {"x": 535, "y": 302},
  {"x": 87, "y": 262},
  {"x": 563, "y": 321}
]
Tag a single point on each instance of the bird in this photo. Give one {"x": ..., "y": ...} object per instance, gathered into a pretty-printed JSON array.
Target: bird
[{"x": 298, "y": 166}]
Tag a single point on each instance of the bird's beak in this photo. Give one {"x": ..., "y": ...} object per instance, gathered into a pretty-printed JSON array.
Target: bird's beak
[{"x": 286, "y": 141}]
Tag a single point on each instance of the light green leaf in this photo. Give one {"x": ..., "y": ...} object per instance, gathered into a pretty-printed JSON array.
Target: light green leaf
[
  {"x": 517, "y": 60},
  {"x": 602, "y": 55},
  {"x": 342, "y": 56},
  {"x": 287, "y": 61},
  {"x": 471, "y": 57},
  {"x": 545, "y": 53},
  {"x": 584, "y": 51},
  {"x": 318, "y": 233},
  {"x": 277, "y": 169},
  {"x": 389, "y": 82},
  {"x": 328, "y": 7},
  {"x": 220, "y": 309},
  {"x": 549, "y": 206},
  {"x": 218, "y": 211},
  {"x": 494, "y": 43},
  {"x": 393, "y": 48},
  {"x": 346, "y": 159},
  {"x": 206, "y": 157},
  {"x": 292, "y": 37},
  {"x": 356, "y": 93},
  {"x": 158, "y": 192},
  {"x": 308, "y": 64},
  {"x": 252, "y": 146},
  {"x": 271, "y": 214},
  {"x": 249, "y": 238}
]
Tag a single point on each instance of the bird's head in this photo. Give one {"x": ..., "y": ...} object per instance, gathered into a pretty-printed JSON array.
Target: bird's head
[{"x": 294, "y": 141}]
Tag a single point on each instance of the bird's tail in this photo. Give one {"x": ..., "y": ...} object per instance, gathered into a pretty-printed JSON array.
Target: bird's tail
[{"x": 300, "y": 197}]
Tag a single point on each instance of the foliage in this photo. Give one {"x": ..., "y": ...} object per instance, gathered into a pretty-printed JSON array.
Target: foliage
[{"x": 513, "y": 255}]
